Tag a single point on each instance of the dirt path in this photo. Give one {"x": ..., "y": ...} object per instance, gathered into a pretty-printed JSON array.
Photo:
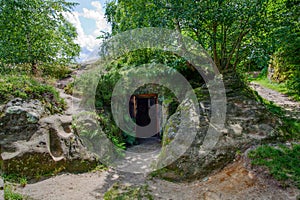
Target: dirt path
[
  {"x": 292, "y": 107},
  {"x": 236, "y": 181}
]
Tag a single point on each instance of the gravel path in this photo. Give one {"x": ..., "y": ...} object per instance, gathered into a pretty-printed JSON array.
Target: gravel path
[
  {"x": 235, "y": 182},
  {"x": 292, "y": 107}
]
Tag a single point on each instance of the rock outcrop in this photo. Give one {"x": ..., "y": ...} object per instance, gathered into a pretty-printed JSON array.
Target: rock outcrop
[
  {"x": 34, "y": 143},
  {"x": 247, "y": 123}
]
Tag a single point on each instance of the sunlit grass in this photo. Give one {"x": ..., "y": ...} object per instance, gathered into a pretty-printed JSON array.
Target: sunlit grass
[
  {"x": 27, "y": 87},
  {"x": 282, "y": 162}
]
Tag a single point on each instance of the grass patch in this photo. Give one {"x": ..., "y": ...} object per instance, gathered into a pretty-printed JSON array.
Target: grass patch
[
  {"x": 26, "y": 87},
  {"x": 282, "y": 162},
  {"x": 100, "y": 168},
  {"x": 14, "y": 178},
  {"x": 122, "y": 192},
  {"x": 10, "y": 194}
]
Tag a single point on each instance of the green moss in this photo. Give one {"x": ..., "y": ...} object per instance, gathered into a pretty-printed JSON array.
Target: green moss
[
  {"x": 100, "y": 168},
  {"x": 171, "y": 173},
  {"x": 33, "y": 166},
  {"x": 29, "y": 165},
  {"x": 122, "y": 192},
  {"x": 69, "y": 88},
  {"x": 26, "y": 87}
]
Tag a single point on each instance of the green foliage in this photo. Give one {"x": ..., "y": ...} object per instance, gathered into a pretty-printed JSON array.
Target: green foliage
[
  {"x": 122, "y": 192},
  {"x": 159, "y": 173},
  {"x": 108, "y": 127},
  {"x": 36, "y": 33},
  {"x": 131, "y": 140},
  {"x": 237, "y": 34},
  {"x": 227, "y": 29},
  {"x": 58, "y": 71},
  {"x": 286, "y": 36},
  {"x": 111, "y": 130},
  {"x": 107, "y": 82},
  {"x": 69, "y": 88},
  {"x": 293, "y": 83},
  {"x": 105, "y": 88},
  {"x": 282, "y": 161},
  {"x": 23, "y": 182},
  {"x": 13, "y": 178},
  {"x": 100, "y": 168},
  {"x": 10, "y": 194},
  {"x": 140, "y": 57},
  {"x": 27, "y": 87},
  {"x": 263, "y": 73}
]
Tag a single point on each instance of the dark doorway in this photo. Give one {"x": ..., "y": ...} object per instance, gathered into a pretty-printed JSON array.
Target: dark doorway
[{"x": 144, "y": 111}]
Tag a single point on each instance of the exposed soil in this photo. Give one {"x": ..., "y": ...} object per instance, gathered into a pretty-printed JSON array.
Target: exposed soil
[{"x": 236, "y": 181}]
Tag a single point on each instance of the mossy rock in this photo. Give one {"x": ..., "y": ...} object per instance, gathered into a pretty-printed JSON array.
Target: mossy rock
[
  {"x": 128, "y": 192},
  {"x": 33, "y": 165},
  {"x": 247, "y": 123}
]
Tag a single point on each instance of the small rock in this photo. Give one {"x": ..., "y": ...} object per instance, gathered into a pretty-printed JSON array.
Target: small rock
[
  {"x": 115, "y": 177},
  {"x": 251, "y": 175},
  {"x": 1, "y": 184},
  {"x": 1, "y": 195},
  {"x": 205, "y": 179}
]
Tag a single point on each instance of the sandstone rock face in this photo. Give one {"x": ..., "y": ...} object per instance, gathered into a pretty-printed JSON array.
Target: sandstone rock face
[
  {"x": 19, "y": 120},
  {"x": 247, "y": 123},
  {"x": 35, "y": 144}
]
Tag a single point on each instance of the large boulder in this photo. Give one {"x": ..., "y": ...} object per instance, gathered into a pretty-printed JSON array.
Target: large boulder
[
  {"x": 19, "y": 120},
  {"x": 247, "y": 123},
  {"x": 34, "y": 143}
]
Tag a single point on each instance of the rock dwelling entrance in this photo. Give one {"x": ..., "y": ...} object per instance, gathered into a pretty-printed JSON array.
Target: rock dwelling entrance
[{"x": 144, "y": 110}]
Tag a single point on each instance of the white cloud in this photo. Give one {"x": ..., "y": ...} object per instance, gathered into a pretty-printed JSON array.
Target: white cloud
[
  {"x": 90, "y": 14},
  {"x": 89, "y": 41}
]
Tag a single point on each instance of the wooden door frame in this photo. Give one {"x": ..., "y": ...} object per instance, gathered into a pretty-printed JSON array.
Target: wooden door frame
[{"x": 146, "y": 96}]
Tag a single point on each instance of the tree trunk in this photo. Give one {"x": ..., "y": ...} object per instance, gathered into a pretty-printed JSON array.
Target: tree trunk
[
  {"x": 216, "y": 59},
  {"x": 223, "y": 47},
  {"x": 180, "y": 40},
  {"x": 34, "y": 70},
  {"x": 237, "y": 56}
]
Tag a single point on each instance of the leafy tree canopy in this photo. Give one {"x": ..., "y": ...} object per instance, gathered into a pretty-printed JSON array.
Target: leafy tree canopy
[
  {"x": 225, "y": 28},
  {"x": 35, "y": 32}
]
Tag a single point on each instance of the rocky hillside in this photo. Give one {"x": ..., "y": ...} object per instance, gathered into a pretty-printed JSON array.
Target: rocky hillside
[{"x": 248, "y": 123}]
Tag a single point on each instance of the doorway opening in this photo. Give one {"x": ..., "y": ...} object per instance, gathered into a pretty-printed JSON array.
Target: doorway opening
[{"x": 144, "y": 110}]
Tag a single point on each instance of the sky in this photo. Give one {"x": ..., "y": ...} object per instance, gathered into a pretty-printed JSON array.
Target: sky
[{"x": 88, "y": 18}]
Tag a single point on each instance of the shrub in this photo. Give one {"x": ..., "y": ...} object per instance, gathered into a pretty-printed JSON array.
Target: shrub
[{"x": 26, "y": 87}]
